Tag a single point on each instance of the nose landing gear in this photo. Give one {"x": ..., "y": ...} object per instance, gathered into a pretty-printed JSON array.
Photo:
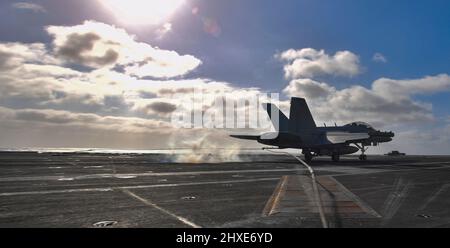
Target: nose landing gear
[
  {"x": 363, "y": 156},
  {"x": 308, "y": 157}
]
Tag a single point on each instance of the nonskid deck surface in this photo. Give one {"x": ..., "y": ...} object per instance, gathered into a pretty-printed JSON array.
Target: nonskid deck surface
[{"x": 133, "y": 190}]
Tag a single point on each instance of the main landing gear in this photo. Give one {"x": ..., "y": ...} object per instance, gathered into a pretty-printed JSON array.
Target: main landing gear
[
  {"x": 335, "y": 157},
  {"x": 308, "y": 157},
  {"x": 363, "y": 156}
]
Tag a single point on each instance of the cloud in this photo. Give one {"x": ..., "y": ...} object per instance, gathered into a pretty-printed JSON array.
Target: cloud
[
  {"x": 58, "y": 95},
  {"x": 158, "y": 106},
  {"x": 310, "y": 63},
  {"x": 35, "y": 77},
  {"x": 76, "y": 47},
  {"x": 5, "y": 61},
  {"x": 380, "y": 58},
  {"x": 99, "y": 45},
  {"x": 163, "y": 30},
  {"x": 404, "y": 88},
  {"x": 89, "y": 87},
  {"x": 29, "y": 6},
  {"x": 52, "y": 117},
  {"x": 162, "y": 107},
  {"x": 130, "y": 89},
  {"x": 308, "y": 88},
  {"x": 14, "y": 54},
  {"x": 388, "y": 102}
]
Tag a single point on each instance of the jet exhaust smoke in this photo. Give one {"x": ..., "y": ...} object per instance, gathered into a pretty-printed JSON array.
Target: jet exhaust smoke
[{"x": 205, "y": 148}]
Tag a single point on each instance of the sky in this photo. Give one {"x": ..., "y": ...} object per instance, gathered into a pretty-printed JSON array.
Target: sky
[{"x": 101, "y": 73}]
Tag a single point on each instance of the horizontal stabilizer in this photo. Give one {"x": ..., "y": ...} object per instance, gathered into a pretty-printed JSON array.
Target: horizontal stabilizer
[{"x": 246, "y": 137}]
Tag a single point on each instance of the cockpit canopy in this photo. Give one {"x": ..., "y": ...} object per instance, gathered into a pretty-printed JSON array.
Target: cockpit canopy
[{"x": 360, "y": 124}]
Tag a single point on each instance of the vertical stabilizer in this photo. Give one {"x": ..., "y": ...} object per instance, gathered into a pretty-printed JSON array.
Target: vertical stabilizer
[
  {"x": 279, "y": 120},
  {"x": 300, "y": 117}
]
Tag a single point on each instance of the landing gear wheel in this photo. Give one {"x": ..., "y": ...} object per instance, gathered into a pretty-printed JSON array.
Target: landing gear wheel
[
  {"x": 308, "y": 157},
  {"x": 335, "y": 157},
  {"x": 363, "y": 149}
]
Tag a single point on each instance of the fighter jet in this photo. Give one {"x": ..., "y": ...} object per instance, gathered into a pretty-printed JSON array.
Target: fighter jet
[{"x": 299, "y": 131}]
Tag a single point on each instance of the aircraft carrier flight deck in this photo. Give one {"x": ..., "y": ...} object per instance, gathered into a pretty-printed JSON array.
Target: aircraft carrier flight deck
[{"x": 138, "y": 190}]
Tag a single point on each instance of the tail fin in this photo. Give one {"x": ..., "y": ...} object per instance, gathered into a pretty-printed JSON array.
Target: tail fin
[
  {"x": 279, "y": 120},
  {"x": 300, "y": 117}
]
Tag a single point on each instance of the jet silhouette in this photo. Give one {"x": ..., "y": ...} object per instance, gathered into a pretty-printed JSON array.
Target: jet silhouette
[{"x": 299, "y": 131}]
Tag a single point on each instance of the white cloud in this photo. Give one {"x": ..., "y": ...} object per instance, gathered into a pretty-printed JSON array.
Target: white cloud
[
  {"x": 99, "y": 45},
  {"x": 163, "y": 30},
  {"x": 46, "y": 101},
  {"x": 380, "y": 58},
  {"x": 404, "y": 88},
  {"x": 35, "y": 78},
  {"x": 29, "y": 6},
  {"x": 52, "y": 117},
  {"x": 388, "y": 103},
  {"x": 32, "y": 85},
  {"x": 309, "y": 63},
  {"x": 14, "y": 54},
  {"x": 309, "y": 89}
]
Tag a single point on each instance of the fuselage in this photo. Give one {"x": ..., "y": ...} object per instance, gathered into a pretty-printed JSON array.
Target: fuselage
[{"x": 328, "y": 140}]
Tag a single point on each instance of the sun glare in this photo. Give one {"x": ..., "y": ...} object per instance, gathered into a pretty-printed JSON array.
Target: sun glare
[{"x": 142, "y": 12}]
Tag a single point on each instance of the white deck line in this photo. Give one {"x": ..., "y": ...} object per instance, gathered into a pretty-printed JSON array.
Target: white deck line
[{"x": 44, "y": 192}]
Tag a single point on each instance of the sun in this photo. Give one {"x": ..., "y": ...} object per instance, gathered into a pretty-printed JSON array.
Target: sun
[{"x": 142, "y": 12}]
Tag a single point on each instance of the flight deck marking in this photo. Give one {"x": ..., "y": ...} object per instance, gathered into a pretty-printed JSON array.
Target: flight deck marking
[
  {"x": 433, "y": 197},
  {"x": 135, "y": 187},
  {"x": 345, "y": 170},
  {"x": 294, "y": 197},
  {"x": 275, "y": 198},
  {"x": 158, "y": 174},
  {"x": 355, "y": 198},
  {"x": 151, "y": 204},
  {"x": 395, "y": 199}
]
